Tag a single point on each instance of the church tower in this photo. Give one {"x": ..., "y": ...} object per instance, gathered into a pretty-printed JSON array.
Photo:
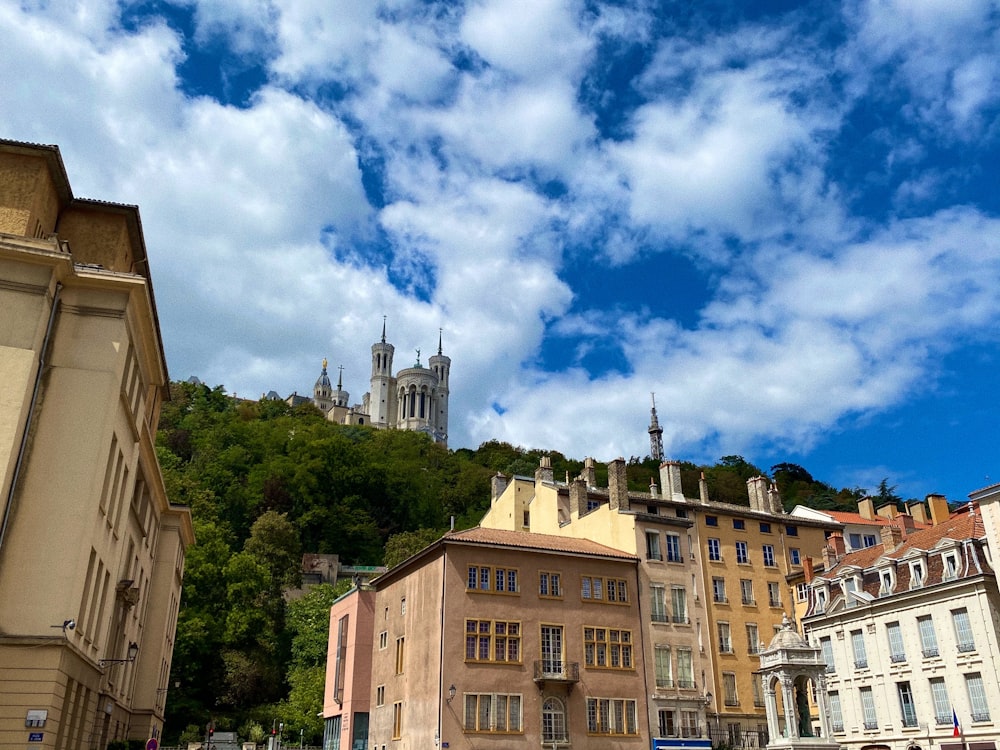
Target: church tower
[
  {"x": 340, "y": 396},
  {"x": 322, "y": 391},
  {"x": 381, "y": 401},
  {"x": 441, "y": 366},
  {"x": 655, "y": 433}
]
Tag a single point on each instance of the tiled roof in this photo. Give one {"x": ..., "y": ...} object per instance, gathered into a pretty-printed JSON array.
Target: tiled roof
[
  {"x": 529, "y": 540},
  {"x": 966, "y": 523}
]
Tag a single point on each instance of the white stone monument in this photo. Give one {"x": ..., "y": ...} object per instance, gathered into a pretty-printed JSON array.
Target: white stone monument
[{"x": 789, "y": 669}]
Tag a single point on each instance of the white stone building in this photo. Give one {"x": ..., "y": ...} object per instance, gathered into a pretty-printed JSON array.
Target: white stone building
[{"x": 908, "y": 629}]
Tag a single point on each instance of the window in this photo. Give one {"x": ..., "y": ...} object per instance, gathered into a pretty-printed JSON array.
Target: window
[
  {"x": 928, "y": 639},
  {"x": 714, "y": 550},
  {"x": 795, "y": 555},
  {"x": 836, "y": 715},
  {"x": 765, "y": 528},
  {"x": 885, "y": 583},
  {"x": 711, "y": 520},
  {"x": 658, "y": 603},
  {"x": 653, "y": 546},
  {"x": 681, "y": 513},
  {"x": 496, "y": 580},
  {"x": 906, "y": 707},
  {"x": 607, "y": 648},
  {"x": 950, "y": 567},
  {"x": 897, "y": 653},
  {"x": 963, "y": 630},
  {"x": 611, "y": 716},
  {"x": 854, "y": 540},
  {"x": 739, "y": 523},
  {"x": 826, "y": 645},
  {"x": 674, "y": 548},
  {"x": 746, "y": 591},
  {"x": 725, "y": 638},
  {"x": 493, "y": 640},
  {"x": 719, "y": 589},
  {"x": 753, "y": 638},
  {"x": 942, "y": 707},
  {"x": 858, "y": 646},
  {"x": 869, "y": 540},
  {"x": 678, "y": 603},
  {"x": 820, "y": 600},
  {"x": 594, "y": 588},
  {"x": 383, "y": 640},
  {"x": 397, "y": 720},
  {"x": 742, "y": 553},
  {"x": 551, "y": 647},
  {"x": 801, "y": 592},
  {"x": 769, "y": 555},
  {"x": 916, "y": 575},
  {"x": 493, "y": 712},
  {"x": 667, "y": 723},
  {"x": 553, "y": 721},
  {"x": 664, "y": 672},
  {"x": 758, "y": 691},
  {"x": 550, "y": 584},
  {"x": 868, "y": 708},
  {"x": 792, "y": 530},
  {"x": 729, "y": 688},
  {"x": 977, "y": 697},
  {"x": 380, "y": 695},
  {"x": 400, "y": 654},
  {"x": 685, "y": 669},
  {"x": 773, "y": 594}
]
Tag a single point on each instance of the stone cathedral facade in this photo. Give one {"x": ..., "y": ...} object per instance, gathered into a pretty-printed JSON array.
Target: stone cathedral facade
[{"x": 413, "y": 398}]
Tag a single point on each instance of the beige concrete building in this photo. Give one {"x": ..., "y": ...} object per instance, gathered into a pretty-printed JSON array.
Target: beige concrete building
[
  {"x": 91, "y": 550},
  {"x": 497, "y": 638},
  {"x": 711, "y": 577}
]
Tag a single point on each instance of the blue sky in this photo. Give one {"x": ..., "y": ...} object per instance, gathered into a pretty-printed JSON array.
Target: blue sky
[{"x": 780, "y": 217}]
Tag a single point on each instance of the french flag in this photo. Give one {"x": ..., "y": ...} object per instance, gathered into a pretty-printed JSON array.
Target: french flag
[{"x": 956, "y": 731}]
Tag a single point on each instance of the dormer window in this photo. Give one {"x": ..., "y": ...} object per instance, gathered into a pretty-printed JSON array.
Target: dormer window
[
  {"x": 850, "y": 586},
  {"x": 950, "y": 567},
  {"x": 916, "y": 575},
  {"x": 821, "y": 600},
  {"x": 886, "y": 583}
]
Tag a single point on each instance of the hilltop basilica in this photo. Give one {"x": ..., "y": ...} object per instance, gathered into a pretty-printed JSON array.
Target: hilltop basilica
[{"x": 415, "y": 398}]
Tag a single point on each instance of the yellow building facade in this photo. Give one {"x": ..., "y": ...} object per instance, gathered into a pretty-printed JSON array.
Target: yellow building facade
[{"x": 91, "y": 550}]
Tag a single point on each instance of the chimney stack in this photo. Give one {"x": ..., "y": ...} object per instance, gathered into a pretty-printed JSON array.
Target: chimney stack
[
  {"x": 888, "y": 510},
  {"x": 807, "y": 569},
  {"x": 836, "y": 542},
  {"x": 866, "y": 508},
  {"x": 544, "y": 471},
  {"x": 938, "y": 506},
  {"x": 578, "y": 496},
  {"x": 589, "y": 472},
  {"x": 670, "y": 481},
  {"x": 654, "y": 491},
  {"x": 918, "y": 511},
  {"x": 703, "y": 489},
  {"x": 618, "y": 485},
  {"x": 757, "y": 490},
  {"x": 497, "y": 486},
  {"x": 892, "y": 537}
]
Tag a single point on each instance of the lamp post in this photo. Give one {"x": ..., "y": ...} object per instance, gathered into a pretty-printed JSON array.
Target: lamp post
[{"x": 133, "y": 651}]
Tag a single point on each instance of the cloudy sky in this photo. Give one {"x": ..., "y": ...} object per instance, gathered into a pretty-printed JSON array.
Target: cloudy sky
[{"x": 782, "y": 219}]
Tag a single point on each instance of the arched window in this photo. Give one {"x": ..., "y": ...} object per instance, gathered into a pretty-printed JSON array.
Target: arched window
[{"x": 553, "y": 721}]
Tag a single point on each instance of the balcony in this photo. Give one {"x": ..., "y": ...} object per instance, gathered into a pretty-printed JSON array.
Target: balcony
[
  {"x": 555, "y": 671},
  {"x": 930, "y": 653},
  {"x": 965, "y": 648},
  {"x": 897, "y": 658},
  {"x": 659, "y": 617},
  {"x": 680, "y": 619}
]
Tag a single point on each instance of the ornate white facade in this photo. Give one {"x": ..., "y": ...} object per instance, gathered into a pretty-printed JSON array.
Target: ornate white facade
[{"x": 908, "y": 631}]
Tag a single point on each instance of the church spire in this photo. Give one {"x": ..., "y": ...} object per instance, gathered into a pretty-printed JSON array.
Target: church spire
[
  {"x": 655, "y": 433},
  {"x": 439, "y": 342},
  {"x": 383, "y": 328}
]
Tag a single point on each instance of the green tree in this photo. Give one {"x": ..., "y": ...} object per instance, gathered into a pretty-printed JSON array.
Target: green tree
[{"x": 405, "y": 544}]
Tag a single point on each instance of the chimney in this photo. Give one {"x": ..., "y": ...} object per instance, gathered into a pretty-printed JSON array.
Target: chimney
[
  {"x": 774, "y": 499},
  {"x": 618, "y": 485},
  {"x": 866, "y": 508},
  {"x": 497, "y": 486},
  {"x": 906, "y": 523},
  {"x": 938, "y": 506},
  {"x": 757, "y": 490},
  {"x": 836, "y": 542},
  {"x": 807, "y": 569},
  {"x": 888, "y": 510},
  {"x": 892, "y": 537},
  {"x": 670, "y": 480},
  {"x": 654, "y": 491},
  {"x": 703, "y": 489},
  {"x": 544, "y": 471},
  {"x": 589, "y": 472},
  {"x": 578, "y": 496},
  {"x": 918, "y": 511}
]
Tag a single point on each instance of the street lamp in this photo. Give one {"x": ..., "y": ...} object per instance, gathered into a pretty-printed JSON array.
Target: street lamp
[
  {"x": 451, "y": 692},
  {"x": 133, "y": 651}
]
